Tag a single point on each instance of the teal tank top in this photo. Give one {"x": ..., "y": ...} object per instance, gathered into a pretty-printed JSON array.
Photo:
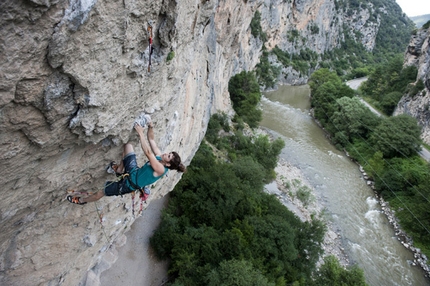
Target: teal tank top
[{"x": 144, "y": 175}]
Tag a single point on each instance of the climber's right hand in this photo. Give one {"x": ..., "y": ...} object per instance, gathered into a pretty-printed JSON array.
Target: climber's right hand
[{"x": 139, "y": 128}]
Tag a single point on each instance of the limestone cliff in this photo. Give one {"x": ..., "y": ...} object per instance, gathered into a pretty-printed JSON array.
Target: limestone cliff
[
  {"x": 74, "y": 77},
  {"x": 317, "y": 25},
  {"x": 418, "y": 104}
]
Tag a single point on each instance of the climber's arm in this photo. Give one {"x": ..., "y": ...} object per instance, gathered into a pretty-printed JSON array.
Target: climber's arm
[
  {"x": 155, "y": 164},
  {"x": 151, "y": 140}
]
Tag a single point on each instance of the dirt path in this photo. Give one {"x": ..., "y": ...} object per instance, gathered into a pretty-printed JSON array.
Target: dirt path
[{"x": 136, "y": 263}]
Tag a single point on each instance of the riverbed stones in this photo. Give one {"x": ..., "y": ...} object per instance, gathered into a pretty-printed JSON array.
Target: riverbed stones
[
  {"x": 405, "y": 240},
  {"x": 288, "y": 175}
]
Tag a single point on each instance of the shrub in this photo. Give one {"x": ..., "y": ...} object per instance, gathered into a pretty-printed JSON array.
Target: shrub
[
  {"x": 416, "y": 88},
  {"x": 245, "y": 95},
  {"x": 170, "y": 56},
  {"x": 304, "y": 195},
  {"x": 256, "y": 29}
]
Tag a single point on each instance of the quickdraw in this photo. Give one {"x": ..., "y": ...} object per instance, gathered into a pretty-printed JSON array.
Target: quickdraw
[
  {"x": 151, "y": 49},
  {"x": 132, "y": 204},
  {"x": 143, "y": 195}
]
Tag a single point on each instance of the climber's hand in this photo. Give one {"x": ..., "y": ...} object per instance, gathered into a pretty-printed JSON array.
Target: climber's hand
[{"x": 138, "y": 128}]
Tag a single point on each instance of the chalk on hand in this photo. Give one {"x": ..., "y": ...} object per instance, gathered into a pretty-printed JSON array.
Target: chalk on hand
[{"x": 143, "y": 119}]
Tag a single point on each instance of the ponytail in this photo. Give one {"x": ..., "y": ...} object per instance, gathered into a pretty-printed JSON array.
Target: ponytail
[{"x": 181, "y": 168}]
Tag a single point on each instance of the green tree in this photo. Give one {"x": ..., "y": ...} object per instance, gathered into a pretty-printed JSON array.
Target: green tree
[
  {"x": 321, "y": 77},
  {"x": 326, "y": 88},
  {"x": 256, "y": 29},
  {"x": 375, "y": 165},
  {"x": 236, "y": 273},
  {"x": 266, "y": 73},
  {"x": 389, "y": 101},
  {"x": 245, "y": 95},
  {"x": 388, "y": 82},
  {"x": 397, "y": 136},
  {"x": 331, "y": 273},
  {"x": 352, "y": 119}
]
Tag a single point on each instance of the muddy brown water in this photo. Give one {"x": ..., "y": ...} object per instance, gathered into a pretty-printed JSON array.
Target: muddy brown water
[{"x": 367, "y": 236}]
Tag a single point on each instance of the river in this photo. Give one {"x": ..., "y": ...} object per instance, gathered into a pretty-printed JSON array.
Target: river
[{"x": 367, "y": 237}]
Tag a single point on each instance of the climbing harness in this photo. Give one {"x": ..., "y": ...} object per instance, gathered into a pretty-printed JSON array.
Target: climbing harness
[
  {"x": 144, "y": 193},
  {"x": 149, "y": 29}
]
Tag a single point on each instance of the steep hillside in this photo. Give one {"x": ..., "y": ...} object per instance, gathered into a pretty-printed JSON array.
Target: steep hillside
[
  {"x": 416, "y": 103},
  {"x": 340, "y": 35},
  {"x": 420, "y": 20}
]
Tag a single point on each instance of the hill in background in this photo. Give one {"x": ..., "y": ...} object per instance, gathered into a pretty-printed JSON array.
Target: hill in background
[{"x": 420, "y": 20}]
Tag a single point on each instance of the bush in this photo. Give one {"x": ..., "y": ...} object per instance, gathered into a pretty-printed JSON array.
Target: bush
[
  {"x": 256, "y": 29},
  {"x": 245, "y": 95},
  {"x": 304, "y": 195},
  {"x": 170, "y": 56},
  {"x": 416, "y": 88},
  {"x": 332, "y": 273},
  {"x": 266, "y": 73}
]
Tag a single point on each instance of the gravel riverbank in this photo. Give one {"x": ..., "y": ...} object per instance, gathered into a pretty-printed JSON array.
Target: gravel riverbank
[{"x": 289, "y": 182}]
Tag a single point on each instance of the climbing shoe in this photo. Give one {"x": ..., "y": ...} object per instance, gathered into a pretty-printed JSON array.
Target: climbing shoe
[
  {"x": 74, "y": 200},
  {"x": 112, "y": 167}
]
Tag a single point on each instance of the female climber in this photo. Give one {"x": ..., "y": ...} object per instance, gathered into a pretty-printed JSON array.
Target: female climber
[{"x": 137, "y": 178}]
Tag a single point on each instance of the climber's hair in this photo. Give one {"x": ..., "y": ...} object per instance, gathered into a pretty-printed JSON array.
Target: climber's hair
[{"x": 175, "y": 163}]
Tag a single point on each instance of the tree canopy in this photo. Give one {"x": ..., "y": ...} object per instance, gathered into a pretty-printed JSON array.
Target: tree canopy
[
  {"x": 245, "y": 95},
  {"x": 397, "y": 136},
  {"x": 220, "y": 228},
  {"x": 385, "y": 147}
]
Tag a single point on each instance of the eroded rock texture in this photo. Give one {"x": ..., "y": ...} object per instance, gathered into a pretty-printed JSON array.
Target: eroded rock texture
[
  {"x": 418, "y": 104},
  {"x": 74, "y": 77}
]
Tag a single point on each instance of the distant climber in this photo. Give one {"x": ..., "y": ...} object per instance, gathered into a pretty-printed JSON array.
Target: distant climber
[{"x": 133, "y": 177}]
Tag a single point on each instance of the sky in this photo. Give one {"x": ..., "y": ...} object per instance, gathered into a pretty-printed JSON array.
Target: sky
[{"x": 414, "y": 7}]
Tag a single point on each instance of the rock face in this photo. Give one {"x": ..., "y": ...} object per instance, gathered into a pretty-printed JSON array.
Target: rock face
[
  {"x": 316, "y": 25},
  {"x": 73, "y": 79},
  {"x": 418, "y": 105}
]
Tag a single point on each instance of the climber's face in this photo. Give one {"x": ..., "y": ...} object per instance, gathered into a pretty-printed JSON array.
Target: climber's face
[{"x": 167, "y": 157}]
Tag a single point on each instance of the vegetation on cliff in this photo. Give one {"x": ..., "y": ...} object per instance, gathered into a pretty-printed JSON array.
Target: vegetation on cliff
[
  {"x": 388, "y": 82},
  {"x": 220, "y": 228},
  {"x": 393, "y": 35},
  {"x": 245, "y": 95},
  {"x": 385, "y": 147},
  {"x": 350, "y": 59}
]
